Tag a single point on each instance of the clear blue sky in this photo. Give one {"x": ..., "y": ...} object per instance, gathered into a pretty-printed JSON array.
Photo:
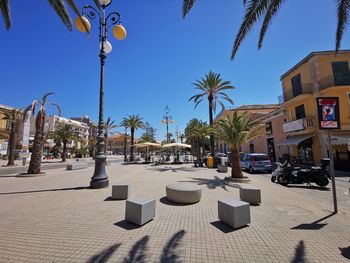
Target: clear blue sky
[{"x": 160, "y": 58}]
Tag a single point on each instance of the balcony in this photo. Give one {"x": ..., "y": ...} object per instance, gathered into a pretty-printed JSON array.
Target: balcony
[
  {"x": 306, "y": 88},
  {"x": 329, "y": 81},
  {"x": 307, "y": 123}
]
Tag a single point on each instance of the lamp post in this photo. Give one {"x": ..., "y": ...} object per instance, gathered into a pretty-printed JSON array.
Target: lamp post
[
  {"x": 100, "y": 178},
  {"x": 166, "y": 119}
]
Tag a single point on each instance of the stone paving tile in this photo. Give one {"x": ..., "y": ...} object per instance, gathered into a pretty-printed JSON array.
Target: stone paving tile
[{"x": 76, "y": 224}]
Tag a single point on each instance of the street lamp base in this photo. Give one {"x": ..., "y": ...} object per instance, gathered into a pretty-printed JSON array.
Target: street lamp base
[{"x": 100, "y": 178}]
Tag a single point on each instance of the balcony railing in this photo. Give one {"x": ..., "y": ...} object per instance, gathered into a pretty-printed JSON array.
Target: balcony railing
[
  {"x": 331, "y": 82},
  {"x": 298, "y": 125},
  {"x": 306, "y": 88}
]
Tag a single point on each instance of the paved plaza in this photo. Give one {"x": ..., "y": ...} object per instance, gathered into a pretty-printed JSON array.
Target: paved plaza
[{"x": 57, "y": 218}]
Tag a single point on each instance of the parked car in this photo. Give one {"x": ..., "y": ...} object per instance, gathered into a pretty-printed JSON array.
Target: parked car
[
  {"x": 256, "y": 162},
  {"x": 241, "y": 155}
]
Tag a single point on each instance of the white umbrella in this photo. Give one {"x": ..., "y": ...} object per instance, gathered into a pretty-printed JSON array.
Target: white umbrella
[
  {"x": 147, "y": 144},
  {"x": 176, "y": 144}
]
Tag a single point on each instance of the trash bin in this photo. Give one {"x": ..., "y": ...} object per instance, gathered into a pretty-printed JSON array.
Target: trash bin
[
  {"x": 210, "y": 162},
  {"x": 24, "y": 160},
  {"x": 223, "y": 161}
]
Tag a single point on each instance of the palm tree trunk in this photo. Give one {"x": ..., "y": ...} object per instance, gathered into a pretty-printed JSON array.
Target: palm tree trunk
[
  {"x": 12, "y": 145},
  {"x": 64, "y": 152},
  {"x": 236, "y": 171},
  {"x": 35, "y": 161},
  {"x": 210, "y": 98},
  {"x": 131, "y": 145}
]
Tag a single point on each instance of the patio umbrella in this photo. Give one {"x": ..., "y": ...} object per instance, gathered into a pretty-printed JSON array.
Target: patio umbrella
[
  {"x": 147, "y": 145},
  {"x": 176, "y": 144}
]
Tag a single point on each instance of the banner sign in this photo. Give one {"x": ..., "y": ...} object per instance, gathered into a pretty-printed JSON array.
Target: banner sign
[{"x": 328, "y": 112}]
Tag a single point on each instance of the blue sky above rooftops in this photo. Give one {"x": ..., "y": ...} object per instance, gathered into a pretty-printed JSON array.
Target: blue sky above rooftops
[{"x": 160, "y": 58}]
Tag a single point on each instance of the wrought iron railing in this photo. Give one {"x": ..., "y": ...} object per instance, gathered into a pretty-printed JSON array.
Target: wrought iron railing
[{"x": 306, "y": 88}]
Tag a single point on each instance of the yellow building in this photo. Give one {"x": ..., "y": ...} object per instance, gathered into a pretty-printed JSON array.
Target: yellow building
[{"x": 320, "y": 74}]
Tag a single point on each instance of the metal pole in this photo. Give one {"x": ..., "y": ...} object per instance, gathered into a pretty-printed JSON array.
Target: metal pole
[
  {"x": 100, "y": 178},
  {"x": 331, "y": 171},
  {"x": 167, "y": 129}
]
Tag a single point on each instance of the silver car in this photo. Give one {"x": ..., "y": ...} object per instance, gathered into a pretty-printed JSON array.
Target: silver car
[{"x": 256, "y": 162}]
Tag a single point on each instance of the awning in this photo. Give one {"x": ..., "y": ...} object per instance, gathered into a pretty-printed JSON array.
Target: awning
[
  {"x": 340, "y": 139},
  {"x": 176, "y": 144},
  {"x": 295, "y": 140}
]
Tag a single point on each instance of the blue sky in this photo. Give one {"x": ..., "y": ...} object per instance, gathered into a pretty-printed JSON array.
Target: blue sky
[{"x": 160, "y": 58}]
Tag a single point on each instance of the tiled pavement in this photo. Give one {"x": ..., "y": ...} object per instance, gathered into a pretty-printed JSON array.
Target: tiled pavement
[{"x": 54, "y": 218}]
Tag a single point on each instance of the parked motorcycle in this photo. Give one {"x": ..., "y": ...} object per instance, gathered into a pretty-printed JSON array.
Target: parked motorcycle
[{"x": 286, "y": 174}]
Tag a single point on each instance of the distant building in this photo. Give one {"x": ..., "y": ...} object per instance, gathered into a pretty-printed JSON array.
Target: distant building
[
  {"x": 319, "y": 74},
  {"x": 116, "y": 144}
]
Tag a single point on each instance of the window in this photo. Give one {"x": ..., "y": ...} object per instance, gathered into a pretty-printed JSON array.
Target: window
[
  {"x": 348, "y": 100},
  {"x": 296, "y": 85},
  {"x": 8, "y": 125},
  {"x": 251, "y": 147},
  {"x": 300, "y": 112},
  {"x": 341, "y": 73},
  {"x": 268, "y": 127}
]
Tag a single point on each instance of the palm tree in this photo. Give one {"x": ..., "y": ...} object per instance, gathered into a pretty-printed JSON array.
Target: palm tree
[
  {"x": 196, "y": 133},
  {"x": 14, "y": 117},
  {"x": 35, "y": 161},
  {"x": 134, "y": 122},
  {"x": 125, "y": 138},
  {"x": 235, "y": 131},
  {"x": 267, "y": 9},
  {"x": 109, "y": 126},
  {"x": 212, "y": 87},
  {"x": 59, "y": 6},
  {"x": 64, "y": 133}
]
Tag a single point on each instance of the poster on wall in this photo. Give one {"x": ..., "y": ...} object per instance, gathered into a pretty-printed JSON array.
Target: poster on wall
[{"x": 328, "y": 112}]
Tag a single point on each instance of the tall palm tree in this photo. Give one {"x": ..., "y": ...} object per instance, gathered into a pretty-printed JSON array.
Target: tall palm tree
[
  {"x": 212, "y": 87},
  {"x": 14, "y": 117},
  {"x": 35, "y": 161},
  {"x": 134, "y": 122},
  {"x": 59, "y": 6},
  {"x": 267, "y": 9},
  {"x": 196, "y": 133},
  {"x": 109, "y": 126},
  {"x": 64, "y": 133},
  {"x": 125, "y": 138},
  {"x": 235, "y": 131}
]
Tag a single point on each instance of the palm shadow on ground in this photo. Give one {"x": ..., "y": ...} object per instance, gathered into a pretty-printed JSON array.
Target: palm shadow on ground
[
  {"x": 48, "y": 190},
  {"x": 138, "y": 252},
  {"x": 172, "y": 169},
  {"x": 314, "y": 225},
  {"x": 104, "y": 255},
  {"x": 345, "y": 252},
  {"x": 211, "y": 183},
  {"x": 299, "y": 254},
  {"x": 311, "y": 187},
  {"x": 170, "y": 253}
]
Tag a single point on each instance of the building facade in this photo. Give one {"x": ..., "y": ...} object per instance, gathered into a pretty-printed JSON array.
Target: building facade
[{"x": 320, "y": 74}]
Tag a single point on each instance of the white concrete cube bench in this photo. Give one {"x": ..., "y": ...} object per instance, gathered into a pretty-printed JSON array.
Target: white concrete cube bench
[
  {"x": 233, "y": 212},
  {"x": 140, "y": 210},
  {"x": 77, "y": 165},
  {"x": 184, "y": 193},
  {"x": 120, "y": 191},
  {"x": 250, "y": 193},
  {"x": 222, "y": 168}
]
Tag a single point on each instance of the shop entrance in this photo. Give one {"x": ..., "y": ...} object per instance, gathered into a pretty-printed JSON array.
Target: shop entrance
[
  {"x": 305, "y": 153},
  {"x": 271, "y": 149}
]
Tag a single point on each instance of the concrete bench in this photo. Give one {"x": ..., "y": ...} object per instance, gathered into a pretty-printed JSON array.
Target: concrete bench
[
  {"x": 140, "y": 210},
  {"x": 121, "y": 191},
  {"x": 250, "y": 193},
  {"x": 222, "y": 168},
  {"x": 77, "y": 165},
  {"x": 233, "y": 212},
  {"x": 184, "y": 193}
]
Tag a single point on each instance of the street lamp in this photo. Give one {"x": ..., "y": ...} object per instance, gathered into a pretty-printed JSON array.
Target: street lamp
[
  {"x": 166, "y": 119},
  {"x": 100, "y": 178}
]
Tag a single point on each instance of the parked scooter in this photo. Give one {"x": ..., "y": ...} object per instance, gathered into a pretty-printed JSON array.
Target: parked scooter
[{"x": 286, "y": 174}]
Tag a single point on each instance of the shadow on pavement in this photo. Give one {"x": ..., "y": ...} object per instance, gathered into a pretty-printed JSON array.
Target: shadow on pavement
[
  {"x": 126, "y": 225},
  {"x": 345, "y": 252},
  {"x": 311, "y": 187},
  {"x": 314, "y": 225},
  {"x": 211, "y": 183},
  {"x": 170, "y": 255},
  {"x": 225, "y": 228},
  {"x": 138, "y": 252},
  {"x": 166, "y": 201},
  {"x": 48, "y": 190},
  {"x": 171, "y": 169},
  {"x": 104, "y": 255},
  {"x": 299, "y": 254}
]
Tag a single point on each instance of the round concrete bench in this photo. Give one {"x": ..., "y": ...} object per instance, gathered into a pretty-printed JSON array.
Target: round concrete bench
[{"x": 183, "y": 193}]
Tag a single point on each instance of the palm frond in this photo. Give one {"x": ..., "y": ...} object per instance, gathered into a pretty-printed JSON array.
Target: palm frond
[
  {"x": 343, "y": 11},
  {"x": 5, "y": 10},
  {"x": 60, "y": 8},
  {"x": 270, "y": 13},
  {"x": 187, "y": 6},
  {"x": 59, "y": 112},
  {"x": 255, "y": 8}
]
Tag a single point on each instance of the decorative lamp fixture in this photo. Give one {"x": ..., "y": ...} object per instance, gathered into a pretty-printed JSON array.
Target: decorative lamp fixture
[
  {"x": 105, "y": 2},
  {"x": 107, "y": 47},
  {"x": 171, "y": 121},
  {"x": 119, "y": 32},
  {"x": 80, "y": 22}
]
